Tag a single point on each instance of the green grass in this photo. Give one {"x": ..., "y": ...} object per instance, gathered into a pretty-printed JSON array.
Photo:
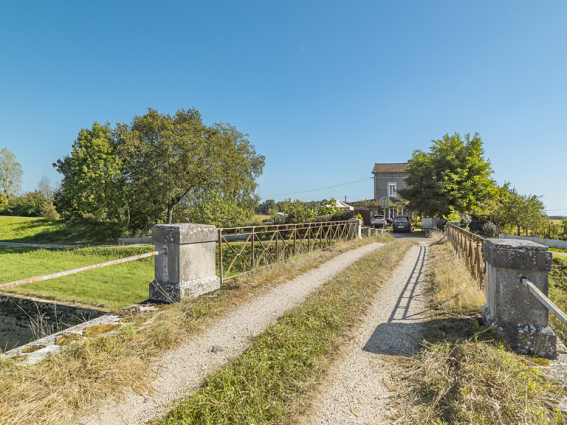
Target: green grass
[
  {"x": 37, "y": 230},
  {"x": 267, "y": 383},
  {"x": 111, "y": 287}
]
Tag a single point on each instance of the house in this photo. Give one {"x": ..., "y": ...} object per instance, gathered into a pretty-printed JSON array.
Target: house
[{"x": 388, "y": 179}]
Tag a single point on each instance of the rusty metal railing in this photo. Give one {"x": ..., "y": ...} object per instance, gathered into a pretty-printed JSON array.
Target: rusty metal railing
[
  {"x": 80, "y": 269},
  {"x": 469, "y": 247},
  {"x": 243, "y": 249}
]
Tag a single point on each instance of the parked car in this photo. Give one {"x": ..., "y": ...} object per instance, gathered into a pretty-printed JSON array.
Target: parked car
[
  {"x": 401, "y": 224},
  {"x": 378, "y": 221}
]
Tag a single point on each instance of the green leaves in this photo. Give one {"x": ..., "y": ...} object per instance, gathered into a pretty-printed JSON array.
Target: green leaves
[
  {"x": 139, "y": 172},
  {"x": 10, "y": 176},
  {"x": 453, "y": 175}
]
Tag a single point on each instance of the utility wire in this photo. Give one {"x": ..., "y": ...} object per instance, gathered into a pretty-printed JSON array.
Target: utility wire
[{"x": 315, "y": 190}]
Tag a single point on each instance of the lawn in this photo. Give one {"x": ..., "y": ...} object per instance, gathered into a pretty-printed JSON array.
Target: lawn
[
  {"x": 111, "y": 287},
  {"x": 37, "y": 230}
]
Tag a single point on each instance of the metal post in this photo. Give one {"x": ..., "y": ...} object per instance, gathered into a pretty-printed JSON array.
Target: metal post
[
  {"x": 220, "y": 256},
  {"x": 252, "y": 259}
]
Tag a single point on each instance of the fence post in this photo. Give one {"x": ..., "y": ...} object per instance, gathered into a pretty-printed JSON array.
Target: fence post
[
  {"x": 447, "y": 227},
  {"x": 355, "y": 229},
  {"x": 189, "y": 267},
  {"x": 515, "y": 313}
]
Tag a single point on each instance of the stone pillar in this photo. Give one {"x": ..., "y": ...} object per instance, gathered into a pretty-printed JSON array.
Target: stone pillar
[
  {"x": 454, "y": 223},
  {"x": 355, "y": 232},
  {"x": 516, "y": 314},
  {"x": 189, "y": 267}
]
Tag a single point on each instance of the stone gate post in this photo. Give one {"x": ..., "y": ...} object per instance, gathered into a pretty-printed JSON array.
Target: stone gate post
[
  {"x": 189, "y": 267},
  {"x": 356, "y": 231},
  {"x": 516, "y": 314}
]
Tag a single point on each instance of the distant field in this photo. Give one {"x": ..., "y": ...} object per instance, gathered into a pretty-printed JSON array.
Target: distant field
[
  {"x": 111, "y": 287},
  {"x": 261, "y": 217},
  {"x": 37, "y": 230}
]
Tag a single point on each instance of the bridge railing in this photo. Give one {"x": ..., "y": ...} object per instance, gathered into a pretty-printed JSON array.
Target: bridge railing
[
  {"x": 244, "y": 249},
  {"x": 469, "y": 247}
]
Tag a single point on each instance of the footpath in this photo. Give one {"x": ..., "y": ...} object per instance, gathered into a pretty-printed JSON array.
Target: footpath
[
  {"x": 355, "y": 391},
  {"x": 180, "y": 371}
]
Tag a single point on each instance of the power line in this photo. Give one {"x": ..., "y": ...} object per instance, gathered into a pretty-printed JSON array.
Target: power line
[{"x": 315, "y": 190}]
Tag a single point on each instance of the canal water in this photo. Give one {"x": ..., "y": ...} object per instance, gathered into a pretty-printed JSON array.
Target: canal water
[{"x": 25, "y": 320}]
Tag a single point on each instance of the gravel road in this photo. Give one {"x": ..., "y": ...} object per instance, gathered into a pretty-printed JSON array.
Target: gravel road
[
  {"x": 354, "y": 392},
  {"x": 181, "y": 371}
]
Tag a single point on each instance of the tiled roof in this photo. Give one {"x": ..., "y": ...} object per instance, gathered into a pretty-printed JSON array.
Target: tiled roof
[{"x": 390, "y": 168}]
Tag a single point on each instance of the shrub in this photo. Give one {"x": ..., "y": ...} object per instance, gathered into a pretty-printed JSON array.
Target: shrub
[
  {"x": 490, "y": 230},
  {"x": 27, "y": 205}
]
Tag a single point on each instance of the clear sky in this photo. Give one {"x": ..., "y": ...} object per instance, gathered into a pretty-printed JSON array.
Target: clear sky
[{"x": 323, "y": 88}]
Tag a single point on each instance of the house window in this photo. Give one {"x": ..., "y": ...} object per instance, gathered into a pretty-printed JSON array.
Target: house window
[{"x": 392, "y": 189}]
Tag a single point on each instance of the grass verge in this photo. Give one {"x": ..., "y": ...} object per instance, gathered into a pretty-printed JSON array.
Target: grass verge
[
  {"x": 85, "y": 374},
  {"x": 39, "y": 230},
  {"x": 269, "y": 382},
  {"x": 558, "y": 294},
  {"x": 464, "y": 374},
  {"x": 110, "y": 288}
]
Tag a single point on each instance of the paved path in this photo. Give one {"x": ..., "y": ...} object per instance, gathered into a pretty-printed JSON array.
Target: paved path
[
  {"x": 181, "y": 371},
  {"x": 559, "y": 253},
  {"x": 354, "y": 392}
]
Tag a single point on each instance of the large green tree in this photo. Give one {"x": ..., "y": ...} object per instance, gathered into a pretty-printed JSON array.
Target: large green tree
[
  {"x": 92, "y": 180},
  {"x": 170, "y": 158},
  {"x": 453, "y": 175},
  {"x": 10, "y": 176}
]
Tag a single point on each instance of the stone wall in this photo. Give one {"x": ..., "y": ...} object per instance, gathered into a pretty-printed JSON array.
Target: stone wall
[{"x": 24, "y": 319}]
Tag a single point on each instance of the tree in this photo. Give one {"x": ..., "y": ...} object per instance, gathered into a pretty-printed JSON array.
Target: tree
[
  {"x": 268, "y": 207},
  {"x": 453, "y": 174},
  {"x": 92, "y": 181},
  {"x": 168, "y": 158},
  {"x": 10, "y": 176},
  {"x": 521, "y": 211}
]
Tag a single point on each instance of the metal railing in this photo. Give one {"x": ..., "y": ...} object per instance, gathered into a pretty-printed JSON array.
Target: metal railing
[
  {"x": 469, "y": 247},
  {"x": 81, "y": 269},
  {"x": 544, "y": 300},
  {"x": 244, "y": 249}
]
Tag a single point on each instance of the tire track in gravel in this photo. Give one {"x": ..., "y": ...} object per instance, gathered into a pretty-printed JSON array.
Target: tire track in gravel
[
  {"x": 182, "y": 370},
  {"x": 354, "y": 391}
]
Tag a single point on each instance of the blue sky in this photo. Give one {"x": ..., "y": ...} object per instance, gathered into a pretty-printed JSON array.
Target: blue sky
[{"x": 323, "y": 88}]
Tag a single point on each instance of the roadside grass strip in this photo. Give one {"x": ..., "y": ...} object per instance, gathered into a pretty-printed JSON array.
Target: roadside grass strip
[
  {"x": 110, "y": 288},
  {"x": 464, "y": 374},
  {"x": 85, "y": 374},
  {"x": 271, "y": 381}
]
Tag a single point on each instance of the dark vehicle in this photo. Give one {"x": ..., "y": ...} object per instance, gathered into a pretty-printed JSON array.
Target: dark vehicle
[
  {"x": 401, "y": 224},
  {"x": 379, "y": 221}
]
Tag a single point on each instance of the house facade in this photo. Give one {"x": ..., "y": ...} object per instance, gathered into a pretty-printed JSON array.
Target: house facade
[{"x": 388, "y": 179}]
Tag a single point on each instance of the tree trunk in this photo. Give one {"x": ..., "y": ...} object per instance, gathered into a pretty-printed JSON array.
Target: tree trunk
[{"x": 170, "y": 212}]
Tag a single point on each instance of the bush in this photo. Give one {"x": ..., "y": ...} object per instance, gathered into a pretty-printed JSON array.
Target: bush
[
  {"x": 465, "y": 221},
  {"x": 220, "y": 212},
  {"x": 27, "y": 205},
  {"x": 490, "y": 230}
]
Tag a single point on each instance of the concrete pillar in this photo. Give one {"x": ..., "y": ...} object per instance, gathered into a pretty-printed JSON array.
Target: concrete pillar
[
  {"x": 454, "y": 223},
  {"x": 355, "y": 231},
  {"x": 189, "y": 267},
  {"x": 516, "y": 314}
]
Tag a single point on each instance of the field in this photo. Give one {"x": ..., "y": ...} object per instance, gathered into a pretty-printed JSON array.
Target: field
[
  {"x": 110, "y": 287},
  {"x": 37, "y": 230}
]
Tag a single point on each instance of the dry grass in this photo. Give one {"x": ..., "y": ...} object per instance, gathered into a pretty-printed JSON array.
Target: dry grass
[
  {"x": 464, "y": 374},
  {"x": 452, "y": 286},
  {"x": 103, "y": 367}
]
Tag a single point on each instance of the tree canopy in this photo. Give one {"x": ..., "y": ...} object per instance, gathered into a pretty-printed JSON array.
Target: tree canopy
[
  {"x": 10, "y": 176},
  {"x": 453, "y": 175},
  {"x": 140, "y": 172}
]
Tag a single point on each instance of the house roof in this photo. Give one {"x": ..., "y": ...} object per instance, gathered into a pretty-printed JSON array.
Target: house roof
[{"x": 390, "y": 168}]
